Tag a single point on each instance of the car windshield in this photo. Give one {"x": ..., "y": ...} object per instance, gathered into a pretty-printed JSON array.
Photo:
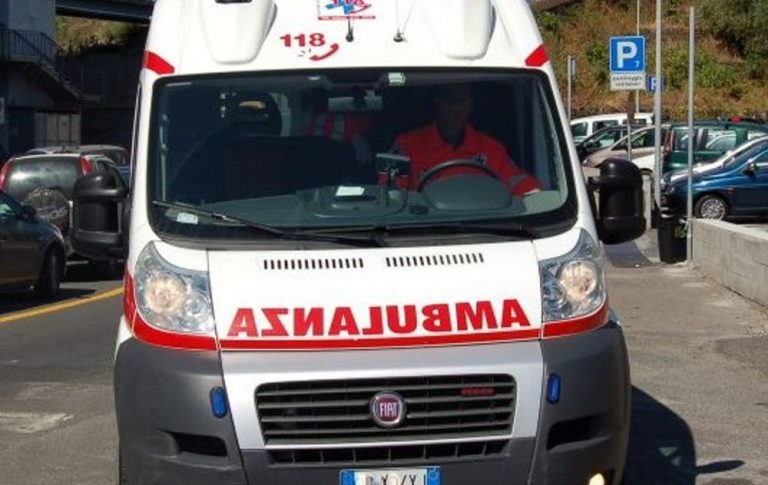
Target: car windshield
[
  {"x": 745, "y": 152},
  {"x": 606, "y": 137},
  {"x": 116, "y": 155},
  {"x": 340, "y": 150},
  {"x": 44, "y": 172}
]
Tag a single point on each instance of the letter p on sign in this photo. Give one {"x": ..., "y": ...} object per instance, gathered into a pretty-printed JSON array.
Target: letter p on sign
[{"x": 627, "y": 54}]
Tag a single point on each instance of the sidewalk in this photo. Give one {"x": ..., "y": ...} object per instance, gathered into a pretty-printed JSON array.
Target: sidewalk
[{"x": 699, "y": 368}]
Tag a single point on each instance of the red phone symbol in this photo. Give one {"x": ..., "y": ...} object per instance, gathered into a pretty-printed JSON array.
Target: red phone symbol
[{"x": 334, "y": 48}]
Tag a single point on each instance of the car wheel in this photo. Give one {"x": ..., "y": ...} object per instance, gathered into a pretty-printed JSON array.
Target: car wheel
[
  {"x": 646, "y": 172},
  {"x": 49, "y": 280},
  {"x": 711, "y": 207}
]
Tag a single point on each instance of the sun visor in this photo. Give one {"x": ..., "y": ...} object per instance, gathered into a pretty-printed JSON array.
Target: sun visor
[
  {"x": 462, "y": 28},
  {"x": 235, "y": 31}
]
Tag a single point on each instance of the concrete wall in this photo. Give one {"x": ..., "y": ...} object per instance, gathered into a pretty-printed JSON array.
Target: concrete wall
[{"x": 736, "y": 256}]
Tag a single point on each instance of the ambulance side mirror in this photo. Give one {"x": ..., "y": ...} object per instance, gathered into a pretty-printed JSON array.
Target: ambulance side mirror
[
  {"x": 619, "y": 207},
  {"x": 98, "y": 217}
]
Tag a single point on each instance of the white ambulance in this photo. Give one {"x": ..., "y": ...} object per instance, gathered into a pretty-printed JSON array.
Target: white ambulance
[{"x": 327, "y": 282}]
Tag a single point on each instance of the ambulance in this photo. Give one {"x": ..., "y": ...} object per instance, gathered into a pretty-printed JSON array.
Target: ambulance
[{"x": 304, "y": 305}]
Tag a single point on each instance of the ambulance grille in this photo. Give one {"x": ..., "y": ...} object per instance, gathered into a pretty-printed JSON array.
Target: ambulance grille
[
  {"x": 312, "y": 264},
  {"x": 435, "y": 260},
  {"x": 437, "y": 408},
  {"x": 402, "y": 455}
]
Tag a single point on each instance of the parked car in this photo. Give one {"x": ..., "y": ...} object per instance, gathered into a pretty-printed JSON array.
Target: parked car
[
  {"x": 643, "y": 145},
  {"x": 45, "y": 182},
  {"x": 712, "y": 139},
  {"x": 734, "y": 184},
  {"x": 646, "y": 163},
  {"x": 31, "y": 250},
  {"x": 117, "y": 154},
  {"x": 583, "y": 128},
  {"x": 601, "y": 140}
]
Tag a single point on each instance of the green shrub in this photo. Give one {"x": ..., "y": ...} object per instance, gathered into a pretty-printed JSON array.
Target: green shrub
[{"x": 548, "y": 21}]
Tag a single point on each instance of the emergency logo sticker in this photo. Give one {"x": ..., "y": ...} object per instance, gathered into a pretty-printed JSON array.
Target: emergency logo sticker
[
  {"x": 344, "y": 9},
  {"x": 313, "y": 46}
]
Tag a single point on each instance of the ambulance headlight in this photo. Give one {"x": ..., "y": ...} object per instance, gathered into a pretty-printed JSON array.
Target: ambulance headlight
[
  {"x": 573, "y": 285},
  {"x": 170, "y": 297}
]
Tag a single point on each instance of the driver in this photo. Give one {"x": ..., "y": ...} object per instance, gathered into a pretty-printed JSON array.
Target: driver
[{"x": 451, "y": 137}]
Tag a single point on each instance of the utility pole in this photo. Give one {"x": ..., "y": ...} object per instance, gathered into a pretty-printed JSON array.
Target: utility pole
[
  {"x": 571, "y": 74},
  {"x": 691, "y": 88},
  {"x": 637, "y": 93},
  {"x": 657, "y": 111}
]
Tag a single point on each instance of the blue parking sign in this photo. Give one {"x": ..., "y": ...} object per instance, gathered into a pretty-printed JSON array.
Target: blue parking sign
[
  {"x": 652, "y": 83},
  {"x": 627, "y": 54}
]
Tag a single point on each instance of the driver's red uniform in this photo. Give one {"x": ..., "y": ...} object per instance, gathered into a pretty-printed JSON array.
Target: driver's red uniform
[{"x": 426, "y": 149}]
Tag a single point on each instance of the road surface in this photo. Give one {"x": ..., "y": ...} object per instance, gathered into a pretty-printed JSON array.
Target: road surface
[{"x": 698, "y": 356}]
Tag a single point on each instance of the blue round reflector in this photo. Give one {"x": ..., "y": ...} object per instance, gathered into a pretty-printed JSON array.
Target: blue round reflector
[
  {"x": 553, "y": 388},
  {"x": 219, "y": 402}
]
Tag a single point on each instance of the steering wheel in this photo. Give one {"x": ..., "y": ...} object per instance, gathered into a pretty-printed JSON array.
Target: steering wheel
[{"x": 459, "y": 162}]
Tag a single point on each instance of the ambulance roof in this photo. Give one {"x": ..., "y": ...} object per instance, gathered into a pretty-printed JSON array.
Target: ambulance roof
[{"x": 208, "y": 36}]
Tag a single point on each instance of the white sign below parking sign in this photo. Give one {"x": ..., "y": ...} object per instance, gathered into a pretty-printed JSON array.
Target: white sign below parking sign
[{"x": 629, "y": 81}]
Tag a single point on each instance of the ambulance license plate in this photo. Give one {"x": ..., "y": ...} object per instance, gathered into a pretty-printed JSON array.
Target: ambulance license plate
[{"x": 400, "y": 476}]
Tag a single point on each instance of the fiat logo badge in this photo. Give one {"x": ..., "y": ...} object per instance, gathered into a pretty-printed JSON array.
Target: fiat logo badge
[{"x": 388, "y": 409}]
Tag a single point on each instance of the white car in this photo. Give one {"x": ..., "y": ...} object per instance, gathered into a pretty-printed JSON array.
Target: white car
[
  {"x": 646, "y": 163},
  {"x": 582, "y": 128}
]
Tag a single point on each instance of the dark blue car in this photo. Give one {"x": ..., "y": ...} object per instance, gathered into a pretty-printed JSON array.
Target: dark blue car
[{"x": 734, "y": 184}]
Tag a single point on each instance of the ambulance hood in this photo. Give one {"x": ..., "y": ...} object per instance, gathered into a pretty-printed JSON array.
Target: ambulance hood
[{"x": 409, "y": 297}]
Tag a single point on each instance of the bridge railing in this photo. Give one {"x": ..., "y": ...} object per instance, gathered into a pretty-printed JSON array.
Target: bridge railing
[{"x": 34, "y": 47}]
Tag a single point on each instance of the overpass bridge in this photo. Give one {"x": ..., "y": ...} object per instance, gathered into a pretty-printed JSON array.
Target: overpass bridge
[{"x": 122, "y": 10}]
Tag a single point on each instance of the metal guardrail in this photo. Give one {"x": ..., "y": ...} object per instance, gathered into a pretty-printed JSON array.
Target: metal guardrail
[{"x": 27, "y": 44}]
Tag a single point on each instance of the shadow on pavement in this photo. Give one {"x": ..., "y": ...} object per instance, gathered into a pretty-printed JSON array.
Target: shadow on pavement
[
  {"x": 626, "y": 255},
  {"x": 661, "y": 447},
  {"x": 26, "y": 300},
  {"x": 82, "y": 273}
]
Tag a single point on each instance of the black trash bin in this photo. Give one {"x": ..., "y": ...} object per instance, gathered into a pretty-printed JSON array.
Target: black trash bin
[{"x": 672, "y": 239}]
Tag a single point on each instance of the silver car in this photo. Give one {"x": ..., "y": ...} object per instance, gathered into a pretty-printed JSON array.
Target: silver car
[{"x": 643, "y": 143}]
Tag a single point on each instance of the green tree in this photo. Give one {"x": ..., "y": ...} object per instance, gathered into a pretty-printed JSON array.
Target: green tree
[{"x": 740, "y": 25}]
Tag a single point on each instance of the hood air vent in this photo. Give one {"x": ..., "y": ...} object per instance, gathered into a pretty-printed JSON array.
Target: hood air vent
[
  {"x": 312, "y": 264},
  {"x": 435, "y": 260}
]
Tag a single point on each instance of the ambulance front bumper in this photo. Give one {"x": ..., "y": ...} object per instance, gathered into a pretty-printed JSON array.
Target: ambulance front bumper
[{"x": 168, "y": 433}]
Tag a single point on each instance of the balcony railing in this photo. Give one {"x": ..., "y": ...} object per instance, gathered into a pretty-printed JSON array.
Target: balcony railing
[{"x": 37, "y": 48}]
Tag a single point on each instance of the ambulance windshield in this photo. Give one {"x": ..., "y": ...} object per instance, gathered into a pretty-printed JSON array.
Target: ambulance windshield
[{"x": 340, "y": 150}]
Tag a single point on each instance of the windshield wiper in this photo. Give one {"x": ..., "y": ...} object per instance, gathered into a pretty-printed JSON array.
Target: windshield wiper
[
  {"x": 267, "y": 229},
  {"x": 219, "y": 216},
  {"x": 507, "y": 229}
]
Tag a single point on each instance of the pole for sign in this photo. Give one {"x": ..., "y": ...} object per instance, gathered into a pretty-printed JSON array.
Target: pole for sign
[
  {"x": 691, "y": 88},
  {"x": 657, "y": 111},
  {"x": 570, "y": 85},
  {"x": 630, "y": 120},
  {"x": 637, "y": 92}
]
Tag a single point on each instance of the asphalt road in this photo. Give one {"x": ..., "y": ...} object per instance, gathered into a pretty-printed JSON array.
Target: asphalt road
[{"x": 699, "y": 368}]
